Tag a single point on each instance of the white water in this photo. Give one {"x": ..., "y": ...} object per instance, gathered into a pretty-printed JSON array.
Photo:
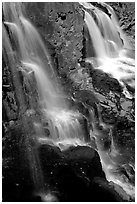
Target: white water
[
  {"x": 64, "y": 126},
  {"x": 113, "y": 56},
  {"x": 113, "y": 50},
  {"x": 114, "y": 20},
  {"x": 95, "y": 34},
  {"x": 65, "y": 129},
  {"x": 63, "y": 123}
]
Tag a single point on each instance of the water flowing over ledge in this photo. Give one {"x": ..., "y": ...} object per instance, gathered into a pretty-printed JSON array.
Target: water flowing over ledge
[{"x": 23, "y": 45}]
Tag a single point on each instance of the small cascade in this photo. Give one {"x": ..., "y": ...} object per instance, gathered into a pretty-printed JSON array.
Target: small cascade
[
  {"x": 110, "y": 35},
  {"x": 96, "y": 37},
  {"x": 112, "y": 161},
  {"x": 111, "y": 46},
  {"x": 107, "y": 42},
  {"x": 65, "y": 129},
  {"x": 125, "y": 41},
  {"x": 112, "y": 50}
]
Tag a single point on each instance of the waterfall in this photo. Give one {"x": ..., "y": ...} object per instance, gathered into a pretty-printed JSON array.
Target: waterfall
[
  {"x": 111, "y": 47},
  {"x": 96, "y": 37},
  {"x": 64, "y": 126},
  {"x": 105, "y": 37},
  {"x": 114, "y": 20},
  {"x": 112, "y": 50}
]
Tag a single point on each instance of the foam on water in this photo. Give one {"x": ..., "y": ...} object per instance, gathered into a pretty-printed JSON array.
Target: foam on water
[{"x": 111, "y": 45}]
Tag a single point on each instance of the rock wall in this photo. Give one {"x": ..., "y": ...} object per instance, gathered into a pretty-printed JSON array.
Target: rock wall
[
  {"x": 61, "y": 26},
  {"x": 125, "y": 12}
]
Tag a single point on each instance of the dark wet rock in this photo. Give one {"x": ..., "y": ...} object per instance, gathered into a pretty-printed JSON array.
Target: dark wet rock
[
  {"x": 29, "y": 88},
  {"x": 75, "y": 173},
  {"x": 71, "y": 175},
  {"x": 110, "y": 118},
  {"x": 105, "y": 83},
  {"x": 109, "y": 190},
  {"x": 124, "y": 137},
  {"x": 10, "y": 109},
  {"x": 16, "y": 175},
  {"x": 18, "y": 131}
]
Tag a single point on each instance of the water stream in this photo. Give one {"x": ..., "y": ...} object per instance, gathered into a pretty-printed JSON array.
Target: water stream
[
  {"x": 111, "y": 46},
  {"x": 64, "y": 126}
]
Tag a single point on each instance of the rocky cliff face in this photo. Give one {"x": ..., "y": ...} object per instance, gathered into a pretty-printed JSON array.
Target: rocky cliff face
[{"x": 126, "y": 16}]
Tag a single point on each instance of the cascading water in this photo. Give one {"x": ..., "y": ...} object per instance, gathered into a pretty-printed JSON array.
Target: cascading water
[
  {"x": 111, "y": 47},
  {"x": 95, "y": 34},
  {"x": 64, "y": 126},
  {"x": 33, "y": 54}
]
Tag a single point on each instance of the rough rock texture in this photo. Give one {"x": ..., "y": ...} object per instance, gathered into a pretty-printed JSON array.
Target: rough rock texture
[
  {"x": 125, "y": 12},
  {"x": 61, "y": 25}
]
